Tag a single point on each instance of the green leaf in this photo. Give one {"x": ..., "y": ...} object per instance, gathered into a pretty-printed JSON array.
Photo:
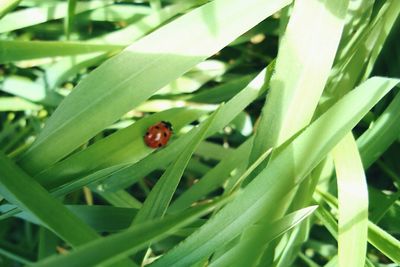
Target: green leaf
[
  {"x": 385, "y": 242},
  {"x": 20, "y": 189},
  {"x": 160, "y": 196},
  {"x": 287, "y": 169},
  {"x": 247, "y": 251},
  {"x": 7, "y": 5},
  {"x": 384, "y": 131},
  {"x": 353, "y": 203},
  {"x": 112, "y": 248},
  {"x": 132, "y": 76},
  {"x": 212, "y": 179},
  {"x": 22, "y": 50}
]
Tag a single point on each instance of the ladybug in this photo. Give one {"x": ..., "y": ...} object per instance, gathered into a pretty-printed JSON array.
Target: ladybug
[{"x": 158, "y": 134}]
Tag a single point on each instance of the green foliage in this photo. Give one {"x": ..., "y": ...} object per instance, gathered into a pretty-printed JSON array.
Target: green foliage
[{"x": 285, "y": 141}]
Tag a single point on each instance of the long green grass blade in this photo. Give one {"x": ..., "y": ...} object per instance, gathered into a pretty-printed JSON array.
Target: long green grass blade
[
  {"x": 8, "y": 5},
  {"x": 22, "y": 50},
  {"x": 353, "y": 203}
]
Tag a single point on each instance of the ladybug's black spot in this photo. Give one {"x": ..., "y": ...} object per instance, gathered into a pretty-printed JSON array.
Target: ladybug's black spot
[
  {"x": 147, "y": 133},
  {"x": 165, "y": 134},
  {"x": 157, "y": 127},
  {"x": 159, "y": 145}
]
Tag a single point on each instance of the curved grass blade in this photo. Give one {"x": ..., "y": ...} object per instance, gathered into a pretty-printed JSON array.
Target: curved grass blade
[
  {"x": 284, "y": 171},
  {"x": 132, "y": 76},
  {"x": 353, "y": 203}
]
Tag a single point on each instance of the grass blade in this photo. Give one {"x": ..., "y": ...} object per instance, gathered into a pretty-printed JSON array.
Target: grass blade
[
  {"x": 353, "y": 203},
  {"x": 26, "y": 193}
]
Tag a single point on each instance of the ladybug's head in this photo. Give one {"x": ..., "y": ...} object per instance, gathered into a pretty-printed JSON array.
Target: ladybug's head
[{"x": 167, "y": 124}]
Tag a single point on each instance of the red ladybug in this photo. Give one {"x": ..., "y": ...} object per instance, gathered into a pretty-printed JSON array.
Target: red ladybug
[{"x": 158, "y": 134}]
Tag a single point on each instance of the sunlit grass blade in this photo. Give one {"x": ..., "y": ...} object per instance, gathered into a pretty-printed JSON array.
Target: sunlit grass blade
[
  {"x": 8, "y": 5},
  {"x": 300, "y": 76},
  {"x": 290, "y": 165},
  {"x": 353, "y": 203}
]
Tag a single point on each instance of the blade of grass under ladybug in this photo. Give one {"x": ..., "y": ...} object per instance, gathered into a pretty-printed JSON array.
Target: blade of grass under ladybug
[
  {"x": 229, "y": 111},
  {"x": 123, "y": 147},
  {"x": 160, "y": 196}
]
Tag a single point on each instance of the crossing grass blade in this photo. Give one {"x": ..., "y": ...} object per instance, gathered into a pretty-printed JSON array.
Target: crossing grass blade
[
  {"x": 291, "y": 163},
  {"x": 161, "y": 195},
  {"x": 241, "y": 255},
  {"x": 132, "y": 76},
  {"x": 229, "y": 111},
  {"x": 111, "y": 249}
]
